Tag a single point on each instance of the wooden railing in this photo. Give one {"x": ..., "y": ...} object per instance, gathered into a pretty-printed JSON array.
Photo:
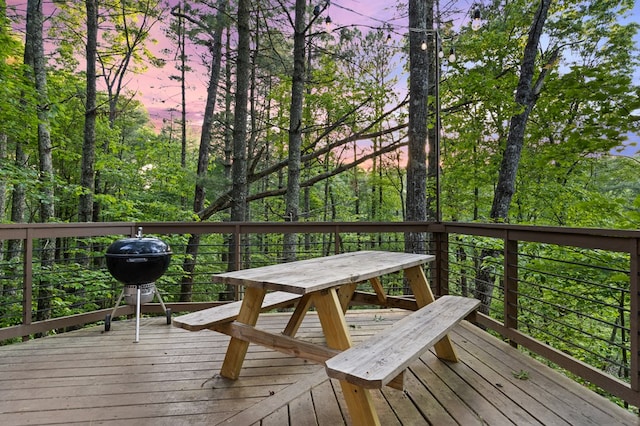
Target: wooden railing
[{"x": 538, "y": 284}]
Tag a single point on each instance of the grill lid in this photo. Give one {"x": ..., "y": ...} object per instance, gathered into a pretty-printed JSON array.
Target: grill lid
[
  {"x": 138, "y": 260},
  {"x": 138, "y": 247}
]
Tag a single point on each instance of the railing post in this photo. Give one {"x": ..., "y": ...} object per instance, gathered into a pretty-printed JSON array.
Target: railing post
[
  {"x": 441, "y": 264},
  {"x": 27, "y": 297},
  {"x": 511, "y": 284},
  {"x": 237, "y": 250},
  {"x": 634, "y": 315}
]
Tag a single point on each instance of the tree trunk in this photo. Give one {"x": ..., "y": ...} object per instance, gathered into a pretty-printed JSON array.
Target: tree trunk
[
  {"x": 420, "y": 18},
  {"x": 230, "y": 290},
  {"x": 34, "y": 58},
  {"x": 87, "y": 178},
  {"x": 18, "y": 204},
  {"x": 292, "y": 198},
  {"x": 182, "y": 38},
  {"x": 203, "y": 154},
  {"x": 3, "y": 183},
  {"x": 433, "y": 121},
  {"x": 526, "y": 97},
  {"x": 239, "y": 165}
]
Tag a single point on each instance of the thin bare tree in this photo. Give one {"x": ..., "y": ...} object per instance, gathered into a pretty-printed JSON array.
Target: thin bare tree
[
  {"x": 87, "y": 168},
  {"x": 240, "y": 187},
  {"x": 35, "y": 60},
  {"x": 205, "y": 135},
  {"x": 420, "y": 21}
]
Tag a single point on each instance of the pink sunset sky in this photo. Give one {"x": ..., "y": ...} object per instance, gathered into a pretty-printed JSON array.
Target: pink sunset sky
[{"x": 161, "y": 94}]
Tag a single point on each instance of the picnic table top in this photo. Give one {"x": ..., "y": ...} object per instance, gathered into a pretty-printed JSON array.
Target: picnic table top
[{"x": 311, "y": 275}]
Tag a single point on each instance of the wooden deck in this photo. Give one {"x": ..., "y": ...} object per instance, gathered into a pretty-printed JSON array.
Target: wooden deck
[{"x": 169, "y": 378}]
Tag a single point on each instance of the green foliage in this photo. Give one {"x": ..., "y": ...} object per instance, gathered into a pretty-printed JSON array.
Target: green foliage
[
  {"x": 581, "y": 116},
  {"x": 521, "y": 375},
  {"x": 566, "y": 176}
]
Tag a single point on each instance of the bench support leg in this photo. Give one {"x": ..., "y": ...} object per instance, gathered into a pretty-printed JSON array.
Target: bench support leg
[
  {"x": 424, "y": 296},
  {"x": 334, "y": 326},
  {"x": 237, "y": 349}
]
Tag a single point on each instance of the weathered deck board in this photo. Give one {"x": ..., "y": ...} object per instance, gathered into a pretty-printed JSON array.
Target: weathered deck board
[
  {"x": 569, "y": 400},
  {"x": 169, "y": 377}
]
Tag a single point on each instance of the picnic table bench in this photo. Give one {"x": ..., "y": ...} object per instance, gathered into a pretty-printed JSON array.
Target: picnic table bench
[
  {"x": 329, "y": 284},
  {"x": 378, "y": 360},
  {"x": 210, "y": 317}
]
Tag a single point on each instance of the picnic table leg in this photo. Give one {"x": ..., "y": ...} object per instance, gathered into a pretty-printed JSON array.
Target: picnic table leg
[
  {"x": 336, "y": 331},
  {"x": 379, "y": 289},
  {"x": 298, "y": 315},
  {"x": 422, "y": 291},
  {"x": 345, "y": 294},
  {"x": 237, "y": 349}
]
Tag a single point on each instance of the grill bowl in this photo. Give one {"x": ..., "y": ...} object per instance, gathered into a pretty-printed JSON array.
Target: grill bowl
[{"x": 134, "y": 261}]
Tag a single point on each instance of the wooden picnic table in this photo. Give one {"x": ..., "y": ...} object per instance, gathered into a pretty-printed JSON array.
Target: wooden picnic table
[{"x": 328, "y": 283}]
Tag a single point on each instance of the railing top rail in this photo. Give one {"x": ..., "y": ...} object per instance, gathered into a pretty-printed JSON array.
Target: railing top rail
[
  {"x": 603, "y": 232},
  {"x": 53, "y": 230},
  {"x": 619, "y": 240},
  {"x": 608, "y": 239}
]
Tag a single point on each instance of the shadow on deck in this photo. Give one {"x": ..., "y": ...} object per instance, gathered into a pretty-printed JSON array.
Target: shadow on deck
[{"x": 170, "y": 378}]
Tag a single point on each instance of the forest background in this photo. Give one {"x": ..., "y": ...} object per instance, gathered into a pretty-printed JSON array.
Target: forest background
[{"x": 352, "y": 117}]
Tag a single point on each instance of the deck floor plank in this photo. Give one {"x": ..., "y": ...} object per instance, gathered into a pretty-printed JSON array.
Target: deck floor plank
[
  {"x": 279, "y": 417},
  {"x": 422, "y": 397},
  {"x": 535, "y": 386},
  {"x": 465, "y": 389},
  {"x": 504, "y": 384},
  {"x": 556, "y": 392},
  {"x": 405, "y": 411},
  {"x": 505, "y": 394},
  {"x": 171, "y": 377},
  {"x": 301, "y": 410},
  {"x": 386, "y": 413},
  {"x": 326, "y": 405},
  {"x": 454, "y": 405}
]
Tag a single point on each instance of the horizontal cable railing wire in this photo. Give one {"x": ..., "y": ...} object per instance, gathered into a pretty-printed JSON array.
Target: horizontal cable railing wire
[
  {"x": 574, "y": 305},
  {"x": 559, "y": 287}
]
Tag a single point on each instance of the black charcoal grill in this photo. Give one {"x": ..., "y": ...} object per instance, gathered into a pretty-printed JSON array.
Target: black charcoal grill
[{"x": 137, "y": 263}]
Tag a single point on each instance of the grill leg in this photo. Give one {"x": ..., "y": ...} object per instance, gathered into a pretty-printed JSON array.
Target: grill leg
[
  {"x": 167, "y": 312},
  {"x": 108, "y": 318},
  {"x": 138, "y": 317},
  {"x": 113, "y": 313},
  {"x": 164, "y": 308}
]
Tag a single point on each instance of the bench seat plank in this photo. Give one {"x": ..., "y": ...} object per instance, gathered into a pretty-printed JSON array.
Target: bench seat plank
[
  {"x": 378, "y": 360},
  {"x": 207, "y": 318}
]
